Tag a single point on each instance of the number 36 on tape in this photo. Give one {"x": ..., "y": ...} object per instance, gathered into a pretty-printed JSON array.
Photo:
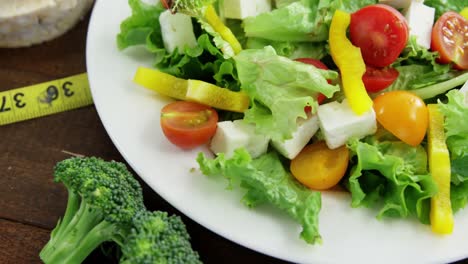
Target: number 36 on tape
[{"x": 44, "y": 99}]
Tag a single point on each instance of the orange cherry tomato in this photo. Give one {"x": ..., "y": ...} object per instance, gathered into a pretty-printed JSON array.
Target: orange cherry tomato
[
  {"x": 319, "y": 167},
  {"x": 404, "y": 114},
  {"x": 450, "y": 39},
  {"x": 188, "y": 124}
]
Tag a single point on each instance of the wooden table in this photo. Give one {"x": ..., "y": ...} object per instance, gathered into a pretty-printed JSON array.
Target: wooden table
[{"x": 30, "y": 202}]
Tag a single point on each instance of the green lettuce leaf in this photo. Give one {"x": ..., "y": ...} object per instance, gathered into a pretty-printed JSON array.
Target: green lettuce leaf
[
  {"x": 456, "y": 131},
  {"x": 202, "y": 62},
  {"x": 279, "y": 89},
  {"x": 304, "y": 20},
  {"x": 292, "y": 50},
  {"x": 416, "y": 54},
  {"x": 393, "y": 176},
  {"x": 421, "y": 73},
  {"x": 442, "y": 6},
  {"x": 283, "y": 3},
  {"x": 142, "y": 27},
  {"x": 267, "y": 181}
]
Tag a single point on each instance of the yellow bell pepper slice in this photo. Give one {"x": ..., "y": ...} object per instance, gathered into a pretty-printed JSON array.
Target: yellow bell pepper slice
[
  {"x": 217, "y": 97},
  {"x": 213, "y": 19},
  {"x": 349, "y": 60},
  {"x": 161, "y": 82},
  {"x": 192, "y": 90},
  {"x": 464, "y": 12},
  {"x": 441, "y": 215}
]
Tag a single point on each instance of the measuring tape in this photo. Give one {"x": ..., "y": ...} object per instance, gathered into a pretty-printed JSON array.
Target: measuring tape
[{"x": 44, "y": 99}]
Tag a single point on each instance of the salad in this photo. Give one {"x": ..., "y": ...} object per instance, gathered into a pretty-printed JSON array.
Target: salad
[{"x": 295, "y": 98}]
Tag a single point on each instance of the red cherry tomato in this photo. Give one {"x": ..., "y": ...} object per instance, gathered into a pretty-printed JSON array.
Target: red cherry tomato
[
  {"x": 450, "y": 39},
  {"x": 320, "y": 65},
  {"x": 404, "y": 114},
  {"x": 381, "y": 32},
  {"x": 188, "y": 124},
  {"x": 375, "y": 80},
  {"x": 314, "y": 62}
]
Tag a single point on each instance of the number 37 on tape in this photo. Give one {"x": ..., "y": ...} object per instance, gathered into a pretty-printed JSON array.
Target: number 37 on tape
[{"x": 44, "y": 99}]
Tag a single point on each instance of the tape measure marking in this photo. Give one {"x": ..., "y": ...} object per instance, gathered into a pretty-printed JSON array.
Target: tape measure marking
[{"x": 44, "y": 99}]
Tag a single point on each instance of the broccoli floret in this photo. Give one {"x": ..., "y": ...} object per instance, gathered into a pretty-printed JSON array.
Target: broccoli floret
[
  {"x": 158, "y": 238},
  {"x": 103, "y": 197}
]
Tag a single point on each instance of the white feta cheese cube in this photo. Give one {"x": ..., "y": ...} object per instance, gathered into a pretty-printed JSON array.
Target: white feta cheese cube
[
  {"x": 240, "y": 9},
  {"x": 177, "y": 31},
  {"x": 420, "y": 20},
  {"x": 339, "y": 123},
  {"x": 258, "y": 144},
  {"x": 399, "y": 4},
  {"x": 230, "y": 136},
  {"x": 305, "y": 131}
]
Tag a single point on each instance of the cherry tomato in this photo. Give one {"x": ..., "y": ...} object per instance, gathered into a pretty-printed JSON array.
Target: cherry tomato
[
  {"x": 320, "y": 65},
  {"x": 375, "y": 80},
  {"x": 450, "y": 39},
  {"x": 404, "y": 114},
  {"x": 319, "y": 167},
  {"x": 381, "y": 32},
  {"x": 314, "y": 62},
  {"x": 188, "y": 124}
]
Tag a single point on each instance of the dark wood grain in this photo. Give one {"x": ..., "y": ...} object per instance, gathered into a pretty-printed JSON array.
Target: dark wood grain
[{"x": 20, "y": 243}]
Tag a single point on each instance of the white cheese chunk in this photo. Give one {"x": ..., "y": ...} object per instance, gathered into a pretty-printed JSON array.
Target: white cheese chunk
[
  {"x": 339, "y": 123},
  {"x": 240, "y": 9},
  {"x": 399, "y": 4},
  {"x": 177, "y": 31},
  {"x": 420, "y": 20},
  {"x": 305, "y": 131},
  {"x": 28, "y": 22},
  {"x": 231, "y": 135}
]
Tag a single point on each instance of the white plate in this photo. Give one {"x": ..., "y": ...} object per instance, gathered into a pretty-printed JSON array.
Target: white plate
[{"x": 130, "y": 115}]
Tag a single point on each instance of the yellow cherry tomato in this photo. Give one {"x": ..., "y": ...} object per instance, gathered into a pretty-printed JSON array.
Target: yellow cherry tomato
[
  {"x": 403, "y": 114},
  {"x": 319, "y": 167}
]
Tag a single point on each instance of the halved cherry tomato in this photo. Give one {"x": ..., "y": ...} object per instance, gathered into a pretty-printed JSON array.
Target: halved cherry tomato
[
  {"x": 404, "y": 114},
  {"x": 319, "y": 167},
  {"x": 188, "y": 124},
  {"x": 450, "y": 39},
  {"x": 320, "y": 65},
  {"x": 381, "y": 32},
  {"x": 375, "y": 80}
]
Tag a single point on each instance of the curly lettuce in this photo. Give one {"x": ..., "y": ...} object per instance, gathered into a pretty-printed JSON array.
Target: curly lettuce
[
  {"x": 442, "y": 6},
  {"x": 304, "y": 20},
  {"x": 420, "y": 72},
  {"x": 267, "y": 181},
  {"x": 279, "y": 89},
  {"x": 456, "y": 127},
  {"x": 391, "y": 176}
]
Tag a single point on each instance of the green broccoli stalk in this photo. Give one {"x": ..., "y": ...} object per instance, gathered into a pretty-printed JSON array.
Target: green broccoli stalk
[
  {"x": 158, "y": 238},
  {"x": 102, "y": 199}
]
